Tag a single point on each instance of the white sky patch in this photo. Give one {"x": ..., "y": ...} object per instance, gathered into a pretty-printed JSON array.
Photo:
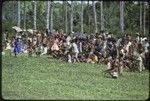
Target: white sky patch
[
  {"x": 90, "y": 2},
  {"x": 135, "y": 2}
]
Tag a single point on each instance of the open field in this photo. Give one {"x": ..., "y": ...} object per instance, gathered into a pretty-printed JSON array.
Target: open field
[{"x": 47, "y": 78}]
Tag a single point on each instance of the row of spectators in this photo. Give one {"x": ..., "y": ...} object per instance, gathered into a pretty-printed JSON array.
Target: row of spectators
[{"x": 118, "y": 53}]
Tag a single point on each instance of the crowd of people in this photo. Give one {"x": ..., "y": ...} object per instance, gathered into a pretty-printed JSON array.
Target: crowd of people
[{"x": 102, "y": 47}]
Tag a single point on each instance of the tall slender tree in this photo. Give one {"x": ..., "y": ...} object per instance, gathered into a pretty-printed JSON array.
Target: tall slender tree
[
  {"x": 95, "y": 16},
  {"x": 19, "y": 17},
  {"x": 144, "y": 18},
  {"x": 102, "y": 17},
  {"x": 71, "y": 16},
  {"x": 82, "y": 17},
  {"x": 24, "y": 23},
  {"x": 89, "y": 15},
  {"x": 141, "y": 15},
  {"x": 122, "y": 16},
  {"x": 35, "y": 3},
  {"x": 47, "y": 17},
  {"x": 66, "y": 17},
  {"x": 51, "y": 13}
]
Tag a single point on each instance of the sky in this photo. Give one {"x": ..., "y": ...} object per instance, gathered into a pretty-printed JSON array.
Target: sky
[
  {"x": 135, "y": 2},
  {"x": 76, "y": 1}
]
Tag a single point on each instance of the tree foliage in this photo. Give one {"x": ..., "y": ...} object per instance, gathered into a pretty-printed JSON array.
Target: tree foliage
[{"x": 111, "y": 15}]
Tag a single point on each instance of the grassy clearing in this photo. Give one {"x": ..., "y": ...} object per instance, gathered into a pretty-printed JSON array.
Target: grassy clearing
[{"x": 45, "y": 78}]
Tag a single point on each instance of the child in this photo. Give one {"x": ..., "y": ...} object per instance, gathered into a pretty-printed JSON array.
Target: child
[{"x": 92, "y": 58}]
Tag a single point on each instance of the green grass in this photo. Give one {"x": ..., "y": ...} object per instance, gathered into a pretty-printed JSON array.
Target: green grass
[{"x": 47, "y": 78}]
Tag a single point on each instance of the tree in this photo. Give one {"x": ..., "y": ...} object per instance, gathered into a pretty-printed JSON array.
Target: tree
[
  {"x": 66, "y": 18},
  {"x": 102, "y": 18},
  {"x": 95, "y": 16},
  {"x": 89, "y": 15},
  {"x": 81, "y": 16},
  {"x": 47, "y": 17},
  {"x": 24, "y": 24},
  {"x": 71, "y": 24},
  {"x": 122, "y": 16},
  {"x": 19, "y": 18},
  {"x": 144, "y": 17},
  {"x": 110, "y": 12},
  {"x": 51, "y": 11},
  {"x": 35, "y": 14},
  {"x": 141, "y": 15}
]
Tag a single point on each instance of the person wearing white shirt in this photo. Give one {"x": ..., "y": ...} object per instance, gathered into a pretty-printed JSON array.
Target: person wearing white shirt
[
  {"x": 75, "y": 51},
  {"x": 146, "y": 45}
]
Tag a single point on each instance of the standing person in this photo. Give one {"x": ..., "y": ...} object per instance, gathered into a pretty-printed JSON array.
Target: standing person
[
  {"x": 80, "y": 45},
  {"x": 138, "y": 37},
  {"x": 44, "y": 45},
  {"x": 61, "y": 33},
  {"x": 75, "y": 50},
  {"x": 4, "y": 38},
  {"x": 146, "y": 51},
  {"x": 55, "y": 47},
  {"x": 12, "y": 45},
  {"x": 17, "y": 48},
  {"x": 3, "y": 48},
  {"x": 55, "y": 44}
]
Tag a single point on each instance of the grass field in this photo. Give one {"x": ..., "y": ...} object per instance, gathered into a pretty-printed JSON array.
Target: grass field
[{"x": 47, "y": 78}]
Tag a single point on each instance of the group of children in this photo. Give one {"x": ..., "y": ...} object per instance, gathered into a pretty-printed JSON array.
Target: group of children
[{"x": 118, "y": 53}]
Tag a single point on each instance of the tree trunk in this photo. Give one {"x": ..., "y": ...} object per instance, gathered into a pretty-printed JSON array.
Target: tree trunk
[
  {"x": 51, "y": 11},
  {"x": 82, "y": 17},
  {"x": 35, "y": 14},
  {"x": 66, "y": 17},
  {"x": 141, "y": 15},
  {"x": 102, "y": 17},
  {"x": 47, "y": 17},
  {"x": 19, "y": 19},
  {"x": 89, "y": 15},
  {"x": 144, "y": 18},
  {"x": 71, "y": 16},
  {"x": 122, "y": 16},
  {"x": 95, "y": 16},
  {"x": 24, "y": 23}
]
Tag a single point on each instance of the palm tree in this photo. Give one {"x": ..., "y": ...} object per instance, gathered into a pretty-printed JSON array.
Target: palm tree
[
  {"x": 89, "y": 15},
  {"x": 102, "y": 17},
  {"x": 66, "y": 18},
  {"x": 51, "y": 12},
  {"x": 35, "y": 2},
  {"x": 47, "y": 17},
  {"x": 141, "y": 15},
  {"x": 82, "y": 17},
  {"x": 24, "y": 15},
  {"x": 144, "y": 18},
  {"x": 71, "y": 16},
  {"x": 95, "y": 16},
  {"x": 122, "y": 16},
  {"x": 19, "y": 19}
]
